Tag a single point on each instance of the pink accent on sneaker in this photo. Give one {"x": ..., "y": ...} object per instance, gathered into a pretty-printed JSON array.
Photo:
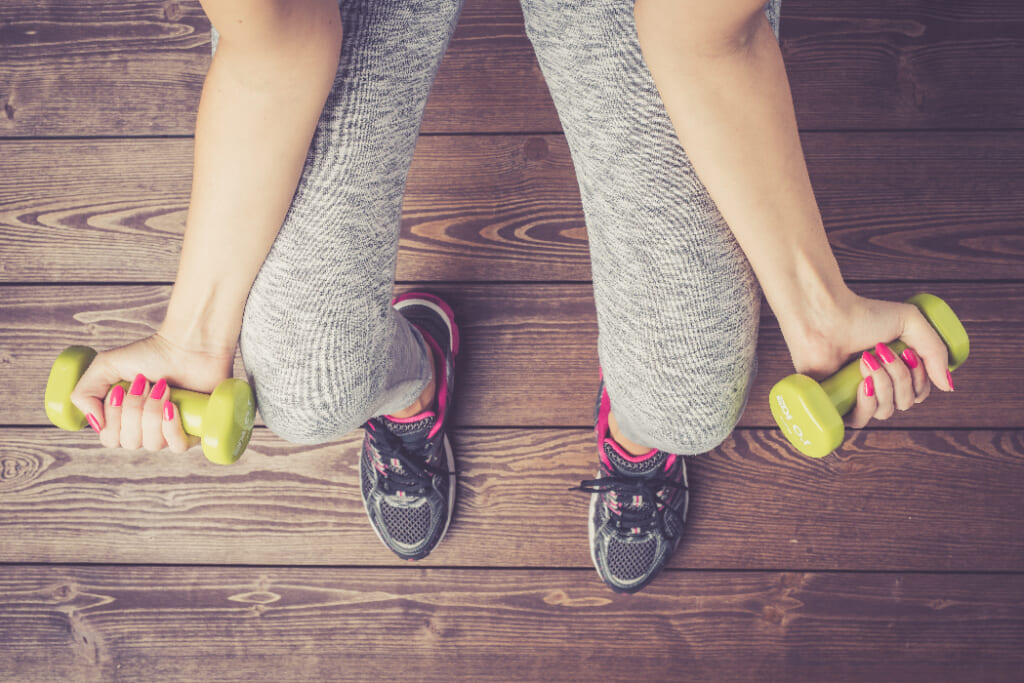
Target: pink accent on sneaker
[
  {"x": 441, "y": 381},
  {"x": 409, "y": 420},
  {"x": 443, "y": 305},
  {"x": 603, "y": 434}
]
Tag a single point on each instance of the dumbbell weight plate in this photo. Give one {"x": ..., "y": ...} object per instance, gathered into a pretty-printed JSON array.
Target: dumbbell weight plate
[
  {"x": 227, "y": 423},
  {"x": 64, "y": 375}
]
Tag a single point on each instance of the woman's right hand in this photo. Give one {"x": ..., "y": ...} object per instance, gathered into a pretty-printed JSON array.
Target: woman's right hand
[{"x": 141, "y": 419}]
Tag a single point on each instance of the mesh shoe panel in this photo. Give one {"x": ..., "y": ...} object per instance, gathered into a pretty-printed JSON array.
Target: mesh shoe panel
[
  {"x": 406, "y": 525},
  {"x": 629, "y": 561}
]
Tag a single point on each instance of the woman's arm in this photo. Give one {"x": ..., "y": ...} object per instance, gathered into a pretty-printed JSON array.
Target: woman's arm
[
  {"x": 273, "y": 69},
  {"x": 261, "y": 101},
  {"x": 719, "y": 70}
]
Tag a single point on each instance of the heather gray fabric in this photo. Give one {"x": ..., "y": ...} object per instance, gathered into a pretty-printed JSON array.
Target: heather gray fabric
[
  {"x": 677, "y": 302},
  {"x": 323, "y": 348}
]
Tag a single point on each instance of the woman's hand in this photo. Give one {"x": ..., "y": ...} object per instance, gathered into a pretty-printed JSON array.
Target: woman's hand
[
  {"x": 890, "y": 382},
  {"x": 140, "y": 417}
]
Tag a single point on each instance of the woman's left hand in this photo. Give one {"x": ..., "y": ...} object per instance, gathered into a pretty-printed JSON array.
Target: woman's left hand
[{"x": 890, "y": 382}]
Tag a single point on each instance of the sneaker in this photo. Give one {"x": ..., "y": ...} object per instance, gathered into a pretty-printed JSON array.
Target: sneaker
[
  {"x": 406, "y": 466},
  {"x": 637, "y": 508}
]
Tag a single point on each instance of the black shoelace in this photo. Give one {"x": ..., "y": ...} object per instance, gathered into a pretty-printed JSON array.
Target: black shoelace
[
  {"x": 653, "y": 509},
  {"x": 415, "y": 474}
]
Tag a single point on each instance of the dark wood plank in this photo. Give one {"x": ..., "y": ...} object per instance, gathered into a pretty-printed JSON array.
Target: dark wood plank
[
  {"x": 136, "y": 68},
  {"x": 896, "y": 207},
  {"x": 889, "y": 500},
  {"x": 530, "y": 351},
  {"x": 245, "y": 624}
]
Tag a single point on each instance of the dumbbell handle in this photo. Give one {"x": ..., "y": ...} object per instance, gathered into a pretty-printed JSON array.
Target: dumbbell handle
[
  {"x": 841, "y": 386},
  {"x": 191, "y": 406}
]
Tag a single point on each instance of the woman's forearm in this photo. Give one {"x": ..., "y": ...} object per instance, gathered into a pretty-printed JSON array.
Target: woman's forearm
[
  {"x": 725, "y": 89},
  {"x": 260, "y": 104}
]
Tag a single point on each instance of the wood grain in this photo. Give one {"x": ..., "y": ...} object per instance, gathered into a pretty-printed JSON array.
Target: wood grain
[
  {"x": 530, "y": 350},
  {"x": 135, "y": 68},
  {"x": 889, "y": 500},
  {"x": 896, "y": 207},
  {"x": 249, "y": 623}
]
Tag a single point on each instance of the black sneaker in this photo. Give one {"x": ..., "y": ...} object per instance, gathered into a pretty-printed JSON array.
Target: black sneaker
[
  {"x": 637, "y": 508},
  {"x": 406, "y": 466}
]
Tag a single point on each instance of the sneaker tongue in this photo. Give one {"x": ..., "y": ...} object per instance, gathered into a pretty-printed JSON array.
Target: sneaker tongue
[
  {"x": 649, "y": 465},
  {"x": 412, "y": 432}
]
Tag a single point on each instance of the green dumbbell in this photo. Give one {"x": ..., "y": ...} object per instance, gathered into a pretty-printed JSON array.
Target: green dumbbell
[
  {"x": 222, "y": 419},
  {"x": 811, "y": 413}
]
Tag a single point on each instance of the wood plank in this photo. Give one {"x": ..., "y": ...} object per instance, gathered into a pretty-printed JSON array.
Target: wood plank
[
  {"x": 896, "y": 207},
  {"x": 530, "y": 350},
  {"x": 249, "y": 623},
  {"x": 136, "y": 68},
  {"x": 889, "y": 500}
]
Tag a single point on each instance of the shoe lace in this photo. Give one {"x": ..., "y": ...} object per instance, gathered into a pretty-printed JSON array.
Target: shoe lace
[
  {"x": 413, "y": 473},
  {"x": 653, "y": 509}
]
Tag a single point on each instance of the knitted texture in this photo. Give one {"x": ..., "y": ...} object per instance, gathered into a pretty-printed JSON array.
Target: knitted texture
[
  {"x": 322, "y": 346},
  {"x": 677, "y": 302}
]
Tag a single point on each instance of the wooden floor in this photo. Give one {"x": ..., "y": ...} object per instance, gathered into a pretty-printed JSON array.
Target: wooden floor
[{"x": 899, "y": 558}]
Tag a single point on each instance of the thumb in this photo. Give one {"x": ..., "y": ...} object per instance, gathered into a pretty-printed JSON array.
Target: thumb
[
  {"x": 92, "y": 388},
  {"x": 919, "y": 335}
]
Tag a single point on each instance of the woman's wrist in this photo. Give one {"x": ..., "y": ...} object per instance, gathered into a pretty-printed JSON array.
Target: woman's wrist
[
  {"x": 811, "y": 303},
  {"x": 206, "y": 320}
]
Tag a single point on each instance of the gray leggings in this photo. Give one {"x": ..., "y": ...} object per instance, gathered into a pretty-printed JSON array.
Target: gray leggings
[{"x": 677, "y": 302}]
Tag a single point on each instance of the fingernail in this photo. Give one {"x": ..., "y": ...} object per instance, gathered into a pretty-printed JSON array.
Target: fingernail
[
  {"x": 158, "y": 390},
  {"x": 93, "y": 422},
  {"x": 137, "y": 385},
  {"x": 870, "y": 361},
  {"x": 117, "y": 396},
  {"x": 869, "y": 386},
  {"x": 910, "y": 358},
  {"x": 949, "y": 378},
  {"x": 884, "y": 353},
  {"x": 168, "y": 411}
]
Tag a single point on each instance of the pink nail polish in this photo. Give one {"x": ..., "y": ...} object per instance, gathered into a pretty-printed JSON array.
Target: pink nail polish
[
  {"x": 93, "y": 422},
  {"x": 137, "y": 385},
  {"x": 949, "y": 378},
  {"x": 117, "y": 396},
  {"x": 885, "y": 353},
  {"x": 168, "y": 411},
  {"x": 869, "y": 386},
  {"x": 910, "y": 358},
  {"x": 158, "y": 390},
  {"x": 870, "y": 361}
]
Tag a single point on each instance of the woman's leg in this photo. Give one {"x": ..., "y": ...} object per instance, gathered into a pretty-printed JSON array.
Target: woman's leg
[
  {"x": 677, "y": 302},
  {"x": 323, "y": 347}
]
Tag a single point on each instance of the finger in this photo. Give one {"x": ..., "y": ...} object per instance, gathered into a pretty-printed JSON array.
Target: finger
[
  {"x": 177, "y": 440},
  {"x": 110, "y": 437},
  {"x": 88, "y": 394},
  {"x": 882, "y": 385},
  {"x": 866, "y": 405},
  {"x": 899, "y": 374},
  {"x": 921, "y": 386},
  {"x": 153, "y": 418},
  {"x": 929, "y": 347},
  {"x": 131, "y": 415}
]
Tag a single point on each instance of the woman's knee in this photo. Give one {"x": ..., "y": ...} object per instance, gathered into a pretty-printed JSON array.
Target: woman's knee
[
  {"x": 313, "y": 379},
  {"x": 684, "y": 412},
  {"x": 303, "y": 411}
]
